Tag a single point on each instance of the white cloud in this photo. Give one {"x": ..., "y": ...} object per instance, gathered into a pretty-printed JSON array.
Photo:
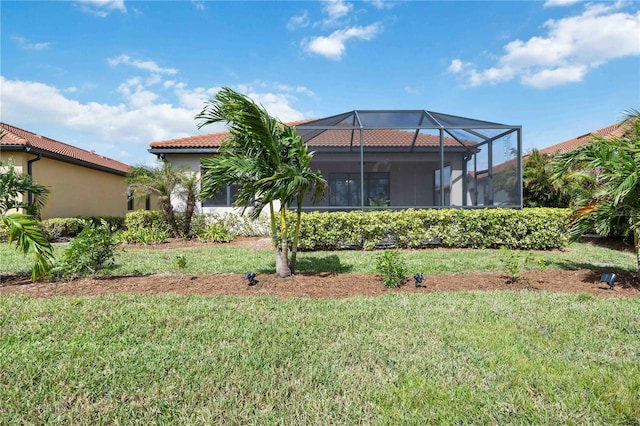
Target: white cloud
[
  {"x": 381, "y": 4},
  {"x": 143, "y": 65},
  {"x": 457, "y": 66},
  {"x": 124, "y": 130},
  {"x": 553, "y": 3},
  {"x": 571, "y": 47},
  {"x": 26, "y": 45},
  {"x": 412, "y": 90},
  {"x": 333, "y": 46},
  {"x": 335, "y": 10},
  {"x": 198, "y": 4},
  {"x": 299, "y": 21},
  {"x": 102, "y": 8}
]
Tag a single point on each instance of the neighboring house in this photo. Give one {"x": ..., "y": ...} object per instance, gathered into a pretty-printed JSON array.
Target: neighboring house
[
  {"x": 504, "y": 173},
  {"x": 82, "y": 183},
  {"x": 375, "y": 159},
  {"x": 573, "y": 143}
]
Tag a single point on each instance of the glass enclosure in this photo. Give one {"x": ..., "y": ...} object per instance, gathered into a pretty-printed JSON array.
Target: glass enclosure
[{"x": 414, "y": 159}]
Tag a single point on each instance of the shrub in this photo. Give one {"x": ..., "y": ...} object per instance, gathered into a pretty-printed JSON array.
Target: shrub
[
  {"x": 514, "y": 262},
  {"x": 216, "y": 234},
  {"x": 146, "y": 219},
  {"x": 60, "y": 228},
  {"x": 142, "y": 236},
  {"x": 4, "y": 233},
  {"x": 90, "y": 252},
  {"x": 530, "y": 229},
  {"x": 237, "y": 224},
  {"x": 393, "y": 268}
]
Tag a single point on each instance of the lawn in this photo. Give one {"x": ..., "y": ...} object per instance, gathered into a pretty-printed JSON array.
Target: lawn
[
  {"x": 440, "y": 358},
  {"x": 238, "y": 259}
]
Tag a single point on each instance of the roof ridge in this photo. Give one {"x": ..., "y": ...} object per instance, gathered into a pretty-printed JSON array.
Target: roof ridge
[{"x": 64, "y": 149}]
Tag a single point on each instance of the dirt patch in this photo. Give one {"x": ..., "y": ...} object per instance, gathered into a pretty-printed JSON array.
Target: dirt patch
[
  {"x": 320, "y": 285},
  {"x": 315, "y": 285}
]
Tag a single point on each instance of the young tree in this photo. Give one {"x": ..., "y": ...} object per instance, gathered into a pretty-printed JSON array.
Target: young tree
[
  {"x": 24, "y": 229},
  {"x": 267, "y": 161},
  {"x": 165, "y": 181},
  {"x": 613, "y": 166}
]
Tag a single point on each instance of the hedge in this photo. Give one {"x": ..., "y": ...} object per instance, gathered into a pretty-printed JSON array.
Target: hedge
[
  {"x": 536, "y": 228},
  {"x": 64, "y": 228}
]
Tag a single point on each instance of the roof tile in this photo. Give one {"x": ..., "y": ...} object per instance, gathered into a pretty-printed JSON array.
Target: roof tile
[{"x": 16, "y": 136}]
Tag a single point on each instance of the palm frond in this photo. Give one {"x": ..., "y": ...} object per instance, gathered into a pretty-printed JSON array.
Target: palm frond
[{"x": 29, "y": 238}]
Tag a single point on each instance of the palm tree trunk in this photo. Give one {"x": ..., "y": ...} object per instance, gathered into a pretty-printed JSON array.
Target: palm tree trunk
[
  {"x": 171, "y": 218},
  {"x": 188, "y": 214},
  {"x": 282, "y": 252},
  {"x": 636, "y": 244},
  {"x": 272, "y": 222},
  {"x": 296, "y": 237}
]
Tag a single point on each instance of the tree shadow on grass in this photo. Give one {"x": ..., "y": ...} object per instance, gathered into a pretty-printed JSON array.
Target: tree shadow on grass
[
  {"x": 330, "y": 263},
  {"x": 627, "y": 277}
]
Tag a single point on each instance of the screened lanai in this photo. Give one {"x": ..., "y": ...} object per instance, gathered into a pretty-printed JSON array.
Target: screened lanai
[{"x": 398, "y": 159}]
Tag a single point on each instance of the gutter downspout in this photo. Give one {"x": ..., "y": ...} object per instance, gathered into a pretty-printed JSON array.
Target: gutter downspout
[{"x": 30, "y": 172}]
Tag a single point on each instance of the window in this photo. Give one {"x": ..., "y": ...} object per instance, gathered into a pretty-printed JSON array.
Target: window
[
  {"x": 344, "y": 189},
  {"x": 129, "y": 200},
  {"x": 223, "y": 198}
]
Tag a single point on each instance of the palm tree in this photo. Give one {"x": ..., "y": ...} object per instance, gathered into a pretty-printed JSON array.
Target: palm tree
[
  {"x": 539, "y": 189},
  {"x": 267, "y": 161},
  {"x": 24, "y": 228},
  {"x": 613, "y": 166},
  {"x": 165, "y": 181}
]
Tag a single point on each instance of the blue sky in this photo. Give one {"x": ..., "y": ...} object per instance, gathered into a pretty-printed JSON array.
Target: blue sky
[{"x": 113, "y": 76}]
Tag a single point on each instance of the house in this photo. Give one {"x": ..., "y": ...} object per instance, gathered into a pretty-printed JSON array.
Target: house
[
  {"x": 385, "y": 159},
  {"x": 82, "y": 183},
  {"x": 573, "y": 143}
]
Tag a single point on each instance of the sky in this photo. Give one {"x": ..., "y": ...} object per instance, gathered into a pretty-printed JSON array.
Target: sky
[{"x": 113, "y": 75}]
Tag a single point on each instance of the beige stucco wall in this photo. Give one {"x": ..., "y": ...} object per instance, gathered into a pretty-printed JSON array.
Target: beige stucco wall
[{"x": 75, "y": 190}]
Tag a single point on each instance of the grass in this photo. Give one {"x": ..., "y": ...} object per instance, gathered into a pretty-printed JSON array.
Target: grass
[
  {"x": 440, "y": 358},
  {"x": 236, "y": 259},
  {"x": 483, "y": 358}
]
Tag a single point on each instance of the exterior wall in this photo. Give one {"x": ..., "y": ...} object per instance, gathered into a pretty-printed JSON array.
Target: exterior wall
[
  {"x": 76, "y": 190},
  {"x": 411, "y": 176}
]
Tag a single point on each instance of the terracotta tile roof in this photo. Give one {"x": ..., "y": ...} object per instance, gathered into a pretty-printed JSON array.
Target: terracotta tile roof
[
  {"x": 14, "y": 136},
  {"x": 212, "y": 140},
  {"x": 328, "y": 138},
  {"x": 568, "y": 145},
  {"x": 380, "y": 138}
]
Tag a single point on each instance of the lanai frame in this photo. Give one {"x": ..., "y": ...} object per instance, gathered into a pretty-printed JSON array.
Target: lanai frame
[{"x": 463, "y": 130}]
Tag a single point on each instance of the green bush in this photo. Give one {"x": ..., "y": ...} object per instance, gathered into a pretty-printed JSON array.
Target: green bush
[
  {"x": 146, "y": 219},
  {"x": 4, "y": 233},
  {"x": 530, "y": 229},
  {"x": 215, "y": 233},
  {"x": 68, "y": 227},
  {"x": 90, "y": 252},
  {"x": 242, "y": 225},
  {"x": 142, "y": 236},
  {"x": 62, "y": 227},
  {"x": 393, "y": 268}
]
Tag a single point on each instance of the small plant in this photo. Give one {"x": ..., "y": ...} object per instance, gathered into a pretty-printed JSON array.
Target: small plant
[
  {"x": 215, "y": 233},
  {"x": 181, "y": 262},
  {"x": 515, "y": 262},
  {"x": 90, "y": 252},
  {"x": 392, "y": 267}
]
